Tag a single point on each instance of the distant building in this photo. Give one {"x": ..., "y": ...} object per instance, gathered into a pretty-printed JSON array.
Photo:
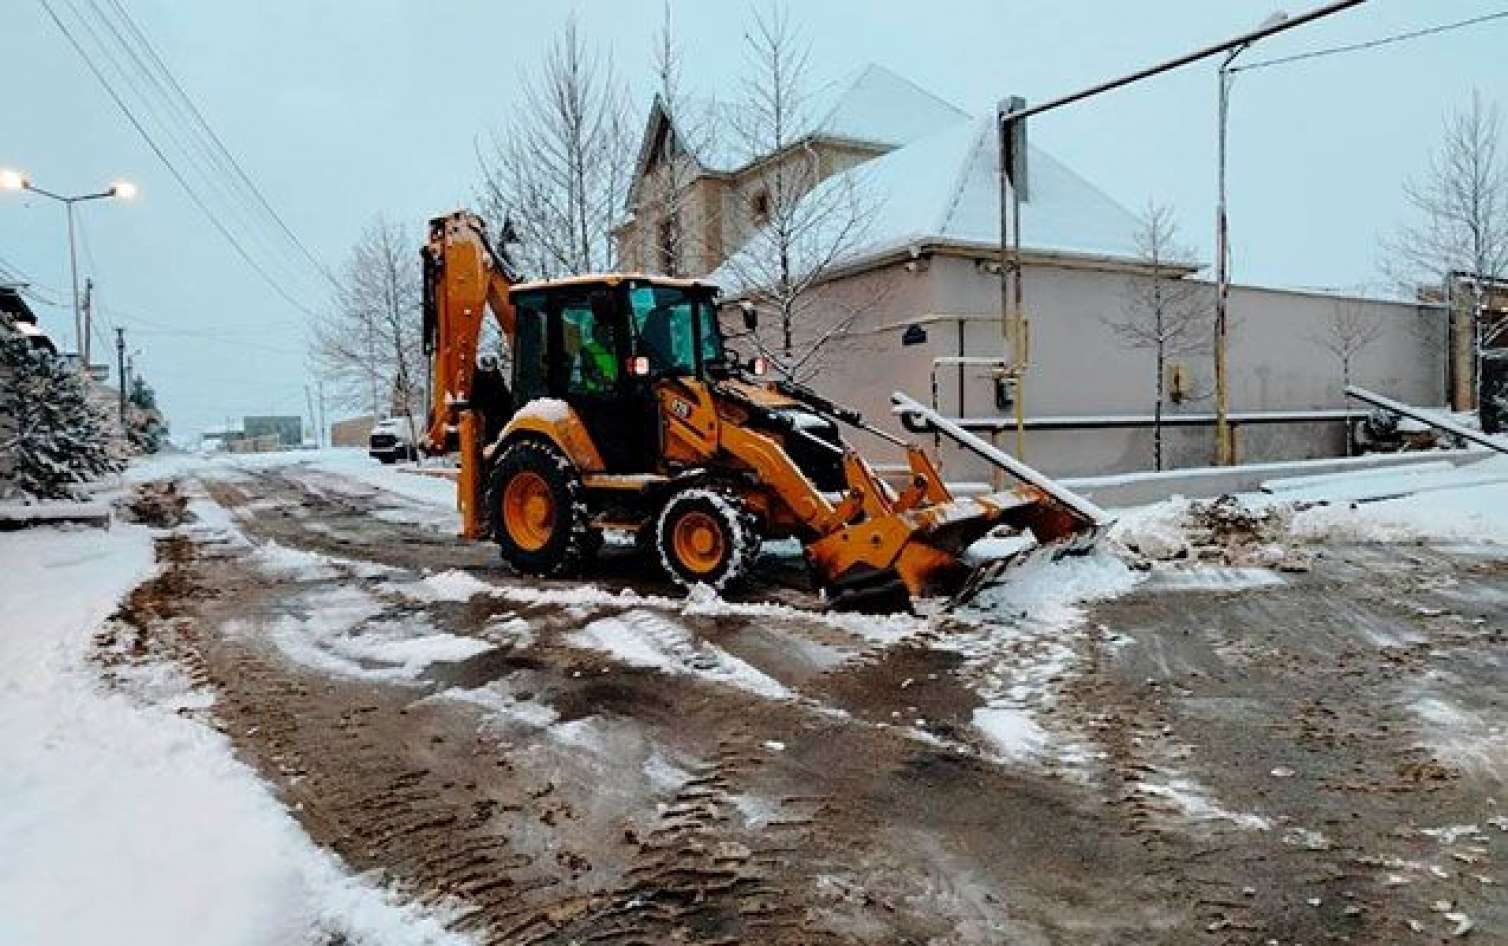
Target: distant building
[
  {"x": 286, "y": 430},
  {"x": 352, "y": 432},
  {"x": 923, "y": 286}
]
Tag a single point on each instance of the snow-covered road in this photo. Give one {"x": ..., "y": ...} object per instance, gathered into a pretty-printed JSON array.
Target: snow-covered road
[
  {"x": 123, "y": 822},
  {"x": 352, "y": 645}
]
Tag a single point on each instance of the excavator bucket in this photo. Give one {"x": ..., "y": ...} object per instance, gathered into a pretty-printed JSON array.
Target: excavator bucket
[{"x": 917, "y": 547}]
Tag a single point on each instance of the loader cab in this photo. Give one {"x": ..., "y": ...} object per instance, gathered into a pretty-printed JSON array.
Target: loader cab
[{"x": 600, "y": 343}]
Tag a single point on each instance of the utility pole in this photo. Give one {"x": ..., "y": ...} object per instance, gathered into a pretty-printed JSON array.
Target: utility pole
[
  {"x": 1010, "y": 119},
  {"x": 1012, "y": 182},
  {"x": 120, "y": 362},
  {"x": 1224, "y": 447},
  {"x": 88, "y": 314},
  {"x": 313, "y": 418},
  {"x": 80, "y": 342}
]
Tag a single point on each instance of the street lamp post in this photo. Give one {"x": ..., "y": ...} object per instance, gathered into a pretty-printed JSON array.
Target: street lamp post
[
  {"x": 1225, "y": 447},
  {"x": 15, "y": 180}
]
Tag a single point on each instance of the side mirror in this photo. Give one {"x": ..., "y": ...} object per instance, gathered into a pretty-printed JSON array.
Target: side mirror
[{"x": 750, "y": 314}]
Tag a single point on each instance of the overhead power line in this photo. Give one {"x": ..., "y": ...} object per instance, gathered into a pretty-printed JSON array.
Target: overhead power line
[
  {"x": 141, "y": 85},
  {"x": 173, "y": 169},
  {"x": 218, "y": 145},
  {"x": 1370, "y": 44},
  {"x": 30, "y": 288}
]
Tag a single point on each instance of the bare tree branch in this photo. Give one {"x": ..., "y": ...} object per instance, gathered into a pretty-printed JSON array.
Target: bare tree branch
[
  {"x": 802, "y": 224},
  {"x": 1460, "y": 231},
  {"x": 1164, "y": 312},
  {"x": 1351, "y": 329},
  {"x": 369, "y": 347},
  {"x": 560, "y": 168}
]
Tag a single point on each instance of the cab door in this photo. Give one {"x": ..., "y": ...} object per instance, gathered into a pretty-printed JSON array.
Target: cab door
[{"x": 594, "y": 350}]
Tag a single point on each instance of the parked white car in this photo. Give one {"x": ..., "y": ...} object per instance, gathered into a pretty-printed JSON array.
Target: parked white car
[{"x": 390, "y": 441}]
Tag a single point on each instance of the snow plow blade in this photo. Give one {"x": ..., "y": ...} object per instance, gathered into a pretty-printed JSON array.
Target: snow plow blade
[
  {"x": 914, "y": 544},
  {"x": 931, "y": 561}
]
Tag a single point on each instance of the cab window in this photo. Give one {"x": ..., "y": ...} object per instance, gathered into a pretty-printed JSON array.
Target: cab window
[
  {"x": 711, "y": 333},
  {"x": 530, "y": 349},
  {"x": 664, "y": 327},
  {"x": 590, "y": 347}
]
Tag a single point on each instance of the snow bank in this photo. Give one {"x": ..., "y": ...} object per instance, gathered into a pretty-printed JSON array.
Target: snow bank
[
  {"x": 122, "y": 822},
  {"x": 1158, "y": 531},
  {"x": 1049, "y": 591},
  {"x": 1011, "y": 732},
  {"x": 1469, "y": 512},
  {"x": 452, "y": 585},
  {"x": 340, "y": 631},
  {"x": 705, "y": 602},
  {"x": 644, "y": 639}
]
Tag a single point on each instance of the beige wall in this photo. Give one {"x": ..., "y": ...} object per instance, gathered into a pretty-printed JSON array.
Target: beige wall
[
  {"x": 353, "y": 432},
  {"x": 1080, "y": 367},
  {"x": 717, "y": 206}
]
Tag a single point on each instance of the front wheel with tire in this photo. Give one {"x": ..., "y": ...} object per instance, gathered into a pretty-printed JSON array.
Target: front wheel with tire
[
  {"x": 705, "y": 537},
  {"x": 538, "y": 508}
]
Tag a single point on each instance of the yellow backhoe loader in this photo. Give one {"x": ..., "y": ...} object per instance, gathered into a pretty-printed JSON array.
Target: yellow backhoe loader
[{"x": 628, "y": 410}]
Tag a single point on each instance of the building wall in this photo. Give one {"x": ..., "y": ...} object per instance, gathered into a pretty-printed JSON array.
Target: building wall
[
  {"x": 288, "y": 430},
  {"x": 352, "y": 432},
  {"x": 808, "y": 164},
  {"x": 1079, "y": 366},
  {"x": 716, "y": 211}
]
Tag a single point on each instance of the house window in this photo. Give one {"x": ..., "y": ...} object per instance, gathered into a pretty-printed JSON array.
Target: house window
[{"x": 761, "y": 208}]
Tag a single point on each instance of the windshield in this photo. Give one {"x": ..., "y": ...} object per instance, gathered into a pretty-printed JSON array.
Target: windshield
[{"x": 669, "y": 325}]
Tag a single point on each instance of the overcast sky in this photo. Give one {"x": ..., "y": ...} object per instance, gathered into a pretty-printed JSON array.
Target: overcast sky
[{"x": 341, "y": 111}]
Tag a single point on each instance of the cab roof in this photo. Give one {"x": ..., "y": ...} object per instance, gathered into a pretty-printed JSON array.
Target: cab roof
[{"x": 610, "y": 279}]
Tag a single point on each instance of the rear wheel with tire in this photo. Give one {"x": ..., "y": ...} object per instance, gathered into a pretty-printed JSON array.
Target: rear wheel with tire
[
  {"x": 538, "y": 509},
  {"x": 705, "y": 537}
]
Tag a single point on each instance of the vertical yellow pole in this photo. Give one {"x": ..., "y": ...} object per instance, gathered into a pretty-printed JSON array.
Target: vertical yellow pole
[{"x": 469, "y": 485}]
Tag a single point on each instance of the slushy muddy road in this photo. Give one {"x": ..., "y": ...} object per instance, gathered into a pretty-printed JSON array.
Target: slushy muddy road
[{"x": 1213, "y": 756}]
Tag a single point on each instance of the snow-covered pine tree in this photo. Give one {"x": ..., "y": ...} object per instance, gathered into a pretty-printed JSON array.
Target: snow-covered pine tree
[
  {"x": 55, "y": 438},
  {"x": 144, "y": 424}
]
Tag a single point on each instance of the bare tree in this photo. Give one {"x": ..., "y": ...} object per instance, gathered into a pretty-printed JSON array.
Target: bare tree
[
  {"x": 1350, "y": 330},
  {"x": 665, "y": 196},
  {"x": 559, "y": 170},
  {"x": 802, "y": 225},
  {"x": 1460, "y": 235},
  {"x": 1164, "y": 312},
  {"x": 370, "y": 346}
]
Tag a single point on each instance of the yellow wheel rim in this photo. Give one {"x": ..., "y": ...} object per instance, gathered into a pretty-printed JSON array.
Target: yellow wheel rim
[
  {"x": 699, "y": 543},
  {"x": 529, "y": 511}
]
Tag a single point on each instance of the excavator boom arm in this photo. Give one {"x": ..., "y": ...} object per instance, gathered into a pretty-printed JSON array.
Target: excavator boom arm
[{"x": 462, "y": 277}]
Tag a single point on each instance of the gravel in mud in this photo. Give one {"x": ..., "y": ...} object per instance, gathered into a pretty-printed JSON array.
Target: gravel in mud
[{"x": 1214, "y": 766}]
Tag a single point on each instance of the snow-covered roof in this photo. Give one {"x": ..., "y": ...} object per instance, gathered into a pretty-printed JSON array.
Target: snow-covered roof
[
  {"x": 877, "y": 106},
  {"x": 945, "y": 187},
  {"x": 872, "y": 105}
]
